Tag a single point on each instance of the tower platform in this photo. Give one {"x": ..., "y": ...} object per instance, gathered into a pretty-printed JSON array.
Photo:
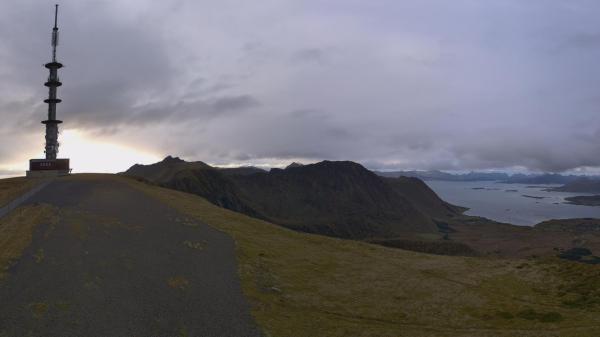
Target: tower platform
[
  {"x": 53, "y": 65},
  {"x": 39, "y": 168}
]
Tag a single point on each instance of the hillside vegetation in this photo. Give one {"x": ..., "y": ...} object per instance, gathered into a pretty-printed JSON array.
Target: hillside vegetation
[
  {"x": 306, "y": 285},
  {"x": 16, "y": 231}
]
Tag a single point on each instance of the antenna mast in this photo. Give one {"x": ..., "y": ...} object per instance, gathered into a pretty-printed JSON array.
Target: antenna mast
[
  {"x": 55, "y": 33},
  {"x": 53, "y": 83}
]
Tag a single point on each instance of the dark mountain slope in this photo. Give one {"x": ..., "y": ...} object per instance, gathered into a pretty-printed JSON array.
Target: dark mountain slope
[
  {"x": 340, "y": 199},
  {"x": 197, "y": 178},
  {"x": 164, "y": 170},
  {"x": 424, "y": 198},
  {"x": 213, "y": 185},
  {"x": 244, "y": 170},
  {"x": 334, "y": 198}
]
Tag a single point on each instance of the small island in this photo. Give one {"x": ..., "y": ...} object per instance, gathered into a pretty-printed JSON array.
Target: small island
[
  {"x": 584, "y": 200},
  {"x": 533, "y": 196}
]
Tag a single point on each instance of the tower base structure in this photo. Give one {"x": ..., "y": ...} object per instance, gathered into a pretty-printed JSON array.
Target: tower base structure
[{"x": 42, "y": 168}]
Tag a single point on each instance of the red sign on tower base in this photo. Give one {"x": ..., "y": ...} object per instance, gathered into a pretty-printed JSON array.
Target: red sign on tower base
[{"x": 48, "y": 167}]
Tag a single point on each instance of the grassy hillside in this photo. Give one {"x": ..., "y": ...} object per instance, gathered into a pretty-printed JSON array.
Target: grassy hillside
[
  {"x": 307, "y": 285},
  {"x": 577, "y": 226},
  {"x": 505, "y": 240}
]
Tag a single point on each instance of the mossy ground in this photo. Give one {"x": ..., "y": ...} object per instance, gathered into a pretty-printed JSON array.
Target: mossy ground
[
  {"x": 12, "y": 188},
  {"x": 309, "y": 285},
  {"x": 16, "y": 228},
  {"x": 16, "y": 232}
]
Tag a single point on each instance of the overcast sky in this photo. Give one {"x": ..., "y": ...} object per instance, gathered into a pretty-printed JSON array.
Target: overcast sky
[{"x": 398, "y": 84}]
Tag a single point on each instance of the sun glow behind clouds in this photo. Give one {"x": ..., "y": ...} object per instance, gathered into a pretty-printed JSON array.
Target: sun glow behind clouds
[{"x": 92, "y": 155}]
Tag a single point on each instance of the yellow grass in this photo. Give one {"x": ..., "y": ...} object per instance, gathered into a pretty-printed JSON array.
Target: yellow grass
[
  {"x": 12, "y": 188},
  {"x": 309, "y": 285},
  {"x": 178, "y": 282},
  {"x": 16, "y": 231}
]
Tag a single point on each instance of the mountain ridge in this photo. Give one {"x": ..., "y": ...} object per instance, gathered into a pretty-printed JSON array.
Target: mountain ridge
[{"x": 335, "y": 198}]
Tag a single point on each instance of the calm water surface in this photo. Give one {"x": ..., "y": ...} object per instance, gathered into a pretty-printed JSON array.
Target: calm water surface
[{"x": 507, "y": 203}]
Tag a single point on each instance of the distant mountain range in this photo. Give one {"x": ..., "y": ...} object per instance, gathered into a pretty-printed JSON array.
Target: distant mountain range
[
  {"x": 581, "y": 185},
  {"x": 534, "y": 179},
  {"x": 440, "y": 175},
  {"x": 541, "y": 179},
  {"x": 341, "y": 199}
]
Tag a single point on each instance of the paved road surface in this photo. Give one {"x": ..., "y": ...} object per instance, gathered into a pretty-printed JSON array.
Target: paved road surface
[{"x": 119, "y": 263}]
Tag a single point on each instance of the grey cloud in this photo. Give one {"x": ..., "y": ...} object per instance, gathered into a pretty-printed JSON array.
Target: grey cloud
[
  {"x": 181, "y": 111},
  {"x": 583, "y": 41},
  {"x": 309, "y": 113},
  {"x": 243, "y": 102},
  {"x": 310, "y": 55},
  {"x": 429, "y": 84},
  {"x": 202, "y": 88}
]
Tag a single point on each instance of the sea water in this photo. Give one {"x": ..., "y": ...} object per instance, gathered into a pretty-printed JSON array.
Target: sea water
[{"x": 518, "y": 204}]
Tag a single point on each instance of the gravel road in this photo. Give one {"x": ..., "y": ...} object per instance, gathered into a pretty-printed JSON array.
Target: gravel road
[{"x": 119, "y": 263}]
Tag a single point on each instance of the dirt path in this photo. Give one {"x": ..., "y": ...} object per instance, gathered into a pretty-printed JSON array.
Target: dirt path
[{"x": 118, "y": 263}]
